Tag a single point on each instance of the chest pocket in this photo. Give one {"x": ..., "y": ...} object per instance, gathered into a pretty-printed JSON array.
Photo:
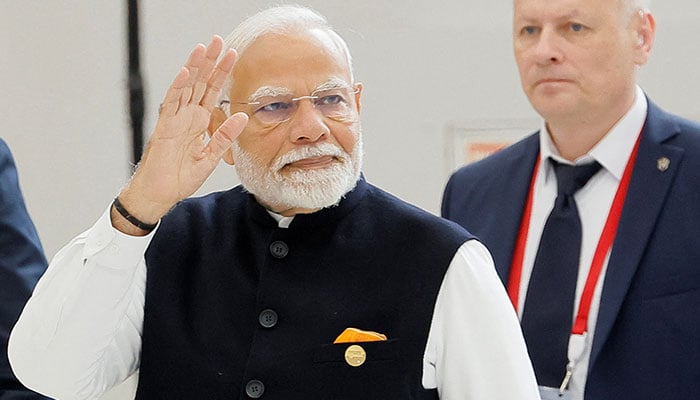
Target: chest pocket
[{"x": 369, "y": 370}]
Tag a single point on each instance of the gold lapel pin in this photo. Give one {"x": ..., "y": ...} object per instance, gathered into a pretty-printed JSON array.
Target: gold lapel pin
[
  {"x": 663, "y": 163},
  {"x": 355, "y": 355}
]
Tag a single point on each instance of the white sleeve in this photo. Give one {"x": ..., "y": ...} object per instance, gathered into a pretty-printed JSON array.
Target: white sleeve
[
  {"x": 80, "y": 332},
  {"x": 475, "y": 347}
]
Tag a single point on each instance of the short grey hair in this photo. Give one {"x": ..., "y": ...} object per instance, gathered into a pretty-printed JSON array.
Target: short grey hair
[
  {"x": 280, "y": 20},
  {"x": 635, "y": 5}
]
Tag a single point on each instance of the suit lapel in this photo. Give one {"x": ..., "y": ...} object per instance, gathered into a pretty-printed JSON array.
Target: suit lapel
[
  {"x": 648, "y": 189},
  {"x": 515, "y": 185}
]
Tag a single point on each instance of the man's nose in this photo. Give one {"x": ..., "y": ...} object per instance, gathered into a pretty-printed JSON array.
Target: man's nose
[
  {"x": 307, "y": 123},
  {"x": 548, "y": 47}
]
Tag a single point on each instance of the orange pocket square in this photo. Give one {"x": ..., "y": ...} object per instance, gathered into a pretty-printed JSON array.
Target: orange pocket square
[{"x": 353, "y": 335}]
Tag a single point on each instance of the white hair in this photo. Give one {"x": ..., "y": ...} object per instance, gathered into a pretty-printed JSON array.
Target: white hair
[
  {"x": 634, "y": 6},
  {"x": 280, "y": 20}
]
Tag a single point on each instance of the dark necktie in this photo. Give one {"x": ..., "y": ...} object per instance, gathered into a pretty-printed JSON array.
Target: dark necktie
[{"x": 549, "y": 304}]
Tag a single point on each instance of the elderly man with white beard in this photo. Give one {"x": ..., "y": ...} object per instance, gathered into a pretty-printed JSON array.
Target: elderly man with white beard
[{"x": 305, "y": 282}]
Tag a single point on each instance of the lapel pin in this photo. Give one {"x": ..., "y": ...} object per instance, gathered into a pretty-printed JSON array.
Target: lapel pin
[
  {"x": 663, "y": 163},
  {"x": 355, "y": 355}
]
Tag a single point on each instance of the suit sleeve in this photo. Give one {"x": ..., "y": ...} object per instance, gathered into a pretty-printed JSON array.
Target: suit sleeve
[
  {"x": 22, "y": 262},
  {"x": 445, "y": 207}
]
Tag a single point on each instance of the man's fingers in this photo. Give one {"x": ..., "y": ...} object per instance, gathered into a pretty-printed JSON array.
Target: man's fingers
[
  {"x": 193, "y": 64},
  {"x": 199, "y": 82},
  {"x": 205, "y": 68},
  {"x": 170, "y": 103},
  {"x": 215, "y": 46},
  {"x": 217, "y": 78},
  {"x": 224, "y": 137}
]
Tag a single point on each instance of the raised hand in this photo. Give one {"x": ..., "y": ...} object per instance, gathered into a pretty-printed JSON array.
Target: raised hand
[{"x": 179, "y": 158}]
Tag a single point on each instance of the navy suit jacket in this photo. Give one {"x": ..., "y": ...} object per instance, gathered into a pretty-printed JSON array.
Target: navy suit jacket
[
  {"x": 22, "y": 262},
  {"x": 647, "y": 336}
]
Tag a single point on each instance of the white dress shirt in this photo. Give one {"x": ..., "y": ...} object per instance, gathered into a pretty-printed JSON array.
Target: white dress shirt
[
  {"x": 593, "y": 201},
  {"x": 80, "y": 333}
]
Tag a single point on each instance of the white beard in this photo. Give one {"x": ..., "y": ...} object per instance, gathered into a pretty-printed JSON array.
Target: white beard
[{"x": 310, "y": 189}]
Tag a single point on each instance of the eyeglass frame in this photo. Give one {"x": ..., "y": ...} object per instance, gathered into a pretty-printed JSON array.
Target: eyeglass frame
[{"x": 355, "y": 89}]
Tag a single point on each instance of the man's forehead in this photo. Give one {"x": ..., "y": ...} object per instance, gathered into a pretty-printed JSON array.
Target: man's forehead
[
  {"x": 300, "y": 62},
  {"x": 277, "y": 90},
  {"x": 288, "y": 48},
  {"x": 563, "y": 9}
]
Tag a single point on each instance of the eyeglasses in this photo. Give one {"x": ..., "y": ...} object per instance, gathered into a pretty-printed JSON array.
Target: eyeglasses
[{"x": 274, "y": 110}]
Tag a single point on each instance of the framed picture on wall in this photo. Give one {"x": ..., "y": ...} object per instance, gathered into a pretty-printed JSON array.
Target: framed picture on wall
[{"x": 470, "y": 141}]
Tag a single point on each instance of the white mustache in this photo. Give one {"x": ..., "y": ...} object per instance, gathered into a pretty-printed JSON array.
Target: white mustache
[{"x": 324, "y": 149}]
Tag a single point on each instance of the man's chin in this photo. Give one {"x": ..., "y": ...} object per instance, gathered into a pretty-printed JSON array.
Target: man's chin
[
  {"x": 300, "y": 205},
  {"x": 301, "y": 191},
  {"x": 310, "y": 187}
]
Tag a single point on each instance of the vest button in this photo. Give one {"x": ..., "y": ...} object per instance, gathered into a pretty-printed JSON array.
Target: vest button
[
  {"x": 254, "y": 389},
  {"x": 279, "y": 249},
  {"x": 268, "y": 318}
]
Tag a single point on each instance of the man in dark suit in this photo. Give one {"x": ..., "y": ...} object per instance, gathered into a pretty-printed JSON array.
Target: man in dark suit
[
  {"x": 22, "y": 262},
  {"x": 633, "y": 331}
]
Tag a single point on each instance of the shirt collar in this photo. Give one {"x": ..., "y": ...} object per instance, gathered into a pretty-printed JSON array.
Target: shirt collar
[
  {"x": 613, "y": 151},
  {"x": 282, "y": 221}
]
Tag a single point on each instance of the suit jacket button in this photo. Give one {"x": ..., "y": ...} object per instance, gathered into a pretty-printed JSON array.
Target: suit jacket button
[
  {"x": 267, "y": 318},
  {"x": 254, "y": 389},
  {"x": 279, "y": 249}
]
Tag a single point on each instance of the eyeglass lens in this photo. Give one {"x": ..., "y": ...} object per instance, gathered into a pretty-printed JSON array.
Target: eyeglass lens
[{"x": 333, "y": 103}]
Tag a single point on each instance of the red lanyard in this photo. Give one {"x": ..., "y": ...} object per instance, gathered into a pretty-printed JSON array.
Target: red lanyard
[{"x": 604, "y": 244}]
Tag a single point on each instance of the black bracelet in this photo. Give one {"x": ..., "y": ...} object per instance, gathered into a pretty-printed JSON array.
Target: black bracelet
[{"x": 134, "y": 221}]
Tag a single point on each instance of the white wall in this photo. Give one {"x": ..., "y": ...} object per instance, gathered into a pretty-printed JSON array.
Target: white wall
[{"x": 424, "y": 64}]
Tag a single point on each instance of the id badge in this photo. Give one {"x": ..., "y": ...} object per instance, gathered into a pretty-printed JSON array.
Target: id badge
[{"x": 550, "y": 393}]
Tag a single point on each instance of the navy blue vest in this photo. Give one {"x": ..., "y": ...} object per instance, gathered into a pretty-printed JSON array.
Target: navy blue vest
[{"x": 237, "y": 307}]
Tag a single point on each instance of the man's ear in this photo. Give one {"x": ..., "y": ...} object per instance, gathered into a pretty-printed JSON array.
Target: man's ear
[
  {"x": 228, "y": 157},
  {"x": 646, "y": 30},
  {"x": 218, "y": 116},
  {"x": 358, "y": 95}
]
